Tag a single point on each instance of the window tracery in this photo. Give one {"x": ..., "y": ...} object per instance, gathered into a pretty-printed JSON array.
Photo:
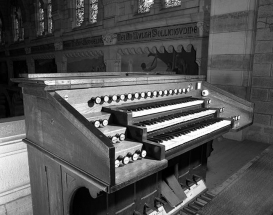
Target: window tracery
[
  {"x": 49, "y": 17},
  {"x": 93, "y": 11},
  {"x": 41, "y": 18},
  {"x": 18, "y": 30},
  {"x": 172, "y": 3},
  {"x": 79, "y": 12},
  {"x": 144, "y": 5}
]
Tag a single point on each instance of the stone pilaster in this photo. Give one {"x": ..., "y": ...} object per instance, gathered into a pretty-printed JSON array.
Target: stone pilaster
[
  {"x": 112, "y": 60},
  {"x": 61, "y": 62},
  {"x": 231, "y": 47},
  {"x": 10, "y": 71},
  {"x": 110, "y": 12},
  {"x": 156, "y": 6},
  {"x": 86, "y": 12},
  {"x": 31, "y": 65}
]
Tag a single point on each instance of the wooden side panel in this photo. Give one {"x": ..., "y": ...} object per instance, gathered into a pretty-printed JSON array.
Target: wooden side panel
[
  {"x": 146, "y": 191},
  {"x": 46, "y": 183},
  {"x": 33, "y": 118},
  {"x": 81, "y": 196},
  {"x": 198, "y": 162},
  {"x": 50, "y": 129},
  {"x": 54, "y": 186},
  {"x": 183, "y": 166},
  {"x": 38, "y": 181},
  {"x": 233, "y": 105},
  {"x": 122, "y": 202}
]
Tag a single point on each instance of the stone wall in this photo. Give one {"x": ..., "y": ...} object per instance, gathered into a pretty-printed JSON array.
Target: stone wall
[
  {"x": 15, "y": 197},
  {"x": 262, "y": 79},
  {"x": 231, "y": 42}
]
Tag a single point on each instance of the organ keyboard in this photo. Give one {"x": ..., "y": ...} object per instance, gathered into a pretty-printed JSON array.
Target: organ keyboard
[{"x": 124, "y": 143}]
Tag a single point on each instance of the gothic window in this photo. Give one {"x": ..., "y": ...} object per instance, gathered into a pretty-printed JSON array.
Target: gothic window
[
  {"x": 172, "y": 3},
  {"x": 79, "y": 12},
  {"x": 49, "y": 16},
  {"x": 41, "y": 19},
  {"x": 18, "y": 30},
  {"x": 93, "y": 11},
  {"x": 45, "y": 24},
  {"x": 144, "y": 5}
]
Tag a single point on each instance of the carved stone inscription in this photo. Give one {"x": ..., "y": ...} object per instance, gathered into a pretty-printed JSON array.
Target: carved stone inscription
[
  {"x": 83, "y": 42},
  {"x": 168, "y": 32},
  {"x": 17, "y": 52},
  {"x": 43, "y": 48},
  {"x": 237, "y": 21}
]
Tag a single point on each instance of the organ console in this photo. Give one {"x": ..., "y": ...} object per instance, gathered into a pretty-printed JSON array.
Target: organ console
[{"x": 124, "y": 143}]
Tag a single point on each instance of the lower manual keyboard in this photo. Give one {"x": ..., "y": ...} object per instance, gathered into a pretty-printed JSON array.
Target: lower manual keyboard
[{"x": 181, "y": 136}]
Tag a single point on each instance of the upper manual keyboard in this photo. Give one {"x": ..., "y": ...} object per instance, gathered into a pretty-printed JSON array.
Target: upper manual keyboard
[{"x": 165, "y": 106}]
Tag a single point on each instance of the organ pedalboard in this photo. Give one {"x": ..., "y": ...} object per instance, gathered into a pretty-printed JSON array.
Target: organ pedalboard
[{"x": 135, "y": 144}]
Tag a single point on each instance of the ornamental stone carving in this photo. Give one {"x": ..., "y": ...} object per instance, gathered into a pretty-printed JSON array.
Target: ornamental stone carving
[
  {"x": 109, "y": 39},
  {"x": 28, "y": 50},
  {"x": 58, "y": 46},
  {"x": 203, "y": 28}
]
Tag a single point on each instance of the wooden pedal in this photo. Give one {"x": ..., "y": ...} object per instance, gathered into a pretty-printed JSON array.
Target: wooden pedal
[{"x": 175, "y": 186}]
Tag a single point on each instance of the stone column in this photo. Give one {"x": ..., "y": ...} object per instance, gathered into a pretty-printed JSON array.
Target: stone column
[
  {"x": 10, "y": 71},
  {"x": 61, "y": 62},
  {"x": 100, "y": 12},
  {"x": 31, "y": 65},
  {"x": 86, "y": 12},
  {"x": 110, "y": 12},
  {"x": 112, "y": 59},
  {"x": 46, "y": 18},
  {"x": 231, "y": 47},
  {"x": 156, "y": 6}
]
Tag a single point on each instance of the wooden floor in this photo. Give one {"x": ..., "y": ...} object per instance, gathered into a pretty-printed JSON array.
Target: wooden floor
[{"x": 229, "y": 158}]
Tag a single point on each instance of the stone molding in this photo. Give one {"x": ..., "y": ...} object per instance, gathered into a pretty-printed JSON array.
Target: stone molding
[
  {"x": 44, "y": 56},
  {"x": 84, "y": 53},
  {"x": 152, "y": 48}
]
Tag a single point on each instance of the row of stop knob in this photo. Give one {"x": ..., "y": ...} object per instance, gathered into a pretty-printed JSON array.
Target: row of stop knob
[
  {"x": 130, "y": 96},
  {"x": 116, "y": 138},
  {"x": 100, "y": 123},
  {"x": 130, "y": 157}
]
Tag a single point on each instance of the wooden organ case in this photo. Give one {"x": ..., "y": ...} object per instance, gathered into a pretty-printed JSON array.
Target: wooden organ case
[{"x": 122, "y": 143}]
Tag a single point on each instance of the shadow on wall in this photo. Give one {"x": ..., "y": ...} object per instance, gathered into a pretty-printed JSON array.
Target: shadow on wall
[
  {"x": 86, "y": 64},
  {"x": 183, "y": 62},
  {"x": 19, "y": 67},
  {"x": 45, "y": 66}
]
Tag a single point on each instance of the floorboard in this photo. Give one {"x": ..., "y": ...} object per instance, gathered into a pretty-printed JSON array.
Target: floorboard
[
  {"x": 250, "y": 194},
  {"x": 228, "y": 157}
]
